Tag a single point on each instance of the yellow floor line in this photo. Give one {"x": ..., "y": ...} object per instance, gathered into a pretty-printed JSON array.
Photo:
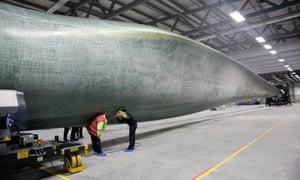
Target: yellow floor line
[
  {"x": 52, "y": 172},
  {"x": 212, "y": 169}
]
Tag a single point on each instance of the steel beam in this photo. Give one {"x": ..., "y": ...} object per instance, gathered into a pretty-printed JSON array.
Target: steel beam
[
  {"x": 187, "y": 12},
  {"x": 78, "y": 6},
  {"x": 112, "y": 5},
  {"x": 26, "y": 4},
  {"x": 252, "y": 26},
  {"x": 244, "y": 5},
  {"x": 275, "y": 8},
  {"x": 90, "y": 9},
  {"x": 124, "y": 8},
  {"x": 56, "y": 6}
]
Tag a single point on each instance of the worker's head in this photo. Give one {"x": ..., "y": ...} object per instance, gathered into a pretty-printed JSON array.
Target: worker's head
[
  {"x": 121, "y": 114},
  {"x": 122, "y": 109},
  {"x": 107, "y": 115}
]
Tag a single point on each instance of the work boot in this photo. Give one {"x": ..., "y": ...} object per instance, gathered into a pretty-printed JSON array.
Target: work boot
[
  {"x": 128, "y": 150},
  {"x": 101, "y": 154}
]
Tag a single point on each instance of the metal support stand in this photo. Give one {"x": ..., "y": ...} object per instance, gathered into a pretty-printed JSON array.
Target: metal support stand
[{"x": 73, "y": 163}]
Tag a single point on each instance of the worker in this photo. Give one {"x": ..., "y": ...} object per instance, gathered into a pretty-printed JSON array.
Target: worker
[
  {"x": 95, "y": 129},
  {"x": 10, "y": 124},
  {"x": 66, "y": 131},
  {"x": 3, "y": 120},
  {"x": 7, "y": 122},
  {"x": 123, "y": 116},
  {"x": 74, "y": 134},
  {"x": 80, "y": 133}
]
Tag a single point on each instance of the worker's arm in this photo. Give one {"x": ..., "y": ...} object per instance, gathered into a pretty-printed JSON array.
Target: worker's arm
[
  {"x": 120, "y": 120},
  {"x": 105, "y": 124},
  {"x": 100, "y": 126}
]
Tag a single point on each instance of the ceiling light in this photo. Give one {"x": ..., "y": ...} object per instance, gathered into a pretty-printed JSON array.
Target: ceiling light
[
  {"x": 293, "y": 73},
  {"x": 260, "y": 39},
  {"x": 290, "y": 69},
  {"x": 281, "y": 60},
  {"x": 297, "y": 76},
  {"x": 286, "y": 65},
  {"x": 237, "y": 16},
  {"x": 273, "y": 52},
  {"x": 267, "y": 46}
]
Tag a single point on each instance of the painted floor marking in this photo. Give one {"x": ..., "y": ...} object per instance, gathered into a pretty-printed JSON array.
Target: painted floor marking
[
  {"x": 236, "y": 152},
  {"x": 53, "y": 173}
]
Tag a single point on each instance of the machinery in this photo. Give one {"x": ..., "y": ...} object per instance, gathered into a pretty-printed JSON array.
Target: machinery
[
  {"x": 283, "y": 98},
  {"x": 18, "y": 148},
  {"x": 249, "y": 101}
]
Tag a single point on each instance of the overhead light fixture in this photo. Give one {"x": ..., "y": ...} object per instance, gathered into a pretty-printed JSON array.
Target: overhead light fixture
[
  {"x": 293, "y": 73},
  {"x": 286, "y": 65},
  {"x": 260, "y": 39},
  {"x": 267, "y": 46},
  {"x": 273, "y": 52},
  {"x": 297, "y": 76},
  {"x": 237, "y": 16},
  {"x": 281, "y": 60},
  {"x": 290, "y": 69}
]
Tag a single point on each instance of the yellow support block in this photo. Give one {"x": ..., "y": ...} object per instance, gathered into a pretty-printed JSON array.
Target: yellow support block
[
  {"x": 74, "y": 149},
  {"x": 22, "y": 154},
  {"x": 75, "y": 170},
  {"x": 73, "y": 163},
  {"x": 86, "y": 149},
  {"x": 54, "y": 150},
  {"x": 6, "y": 138}
]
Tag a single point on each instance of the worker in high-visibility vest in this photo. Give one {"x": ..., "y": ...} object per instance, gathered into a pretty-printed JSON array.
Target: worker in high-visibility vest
[{"x": 95, "y": 129}]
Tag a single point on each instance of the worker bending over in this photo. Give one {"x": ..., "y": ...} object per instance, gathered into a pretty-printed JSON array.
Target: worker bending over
[
  {"x": 95, "y": 129},
  {"x": 123, "y": 116}
]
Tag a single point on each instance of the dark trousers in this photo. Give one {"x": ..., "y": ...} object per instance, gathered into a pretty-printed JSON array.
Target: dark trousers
[
  {"x": 80, "y": 132},
  {"x": 96, "y": 143},
  {"x": 66, "y": 131},
  {"x": 132, "y": 136},
  {"x": 74, "y": 133}
]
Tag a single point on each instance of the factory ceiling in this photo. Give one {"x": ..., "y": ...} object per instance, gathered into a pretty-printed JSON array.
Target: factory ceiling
[{"x": 209, "y": 22}]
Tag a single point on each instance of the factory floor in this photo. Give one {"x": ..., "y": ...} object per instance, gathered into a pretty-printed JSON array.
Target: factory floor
[{"x": 232, "y": 143}]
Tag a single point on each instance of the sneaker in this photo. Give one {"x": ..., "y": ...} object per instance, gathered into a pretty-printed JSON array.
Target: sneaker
[
  {"x": 100, "y": 154},
  {"x": 128, "y": 150}
]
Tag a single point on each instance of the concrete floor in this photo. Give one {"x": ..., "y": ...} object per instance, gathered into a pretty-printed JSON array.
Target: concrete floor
[{"x": 240, "y": 142}]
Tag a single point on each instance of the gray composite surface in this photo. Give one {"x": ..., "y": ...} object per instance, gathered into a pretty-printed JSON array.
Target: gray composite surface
[
  {"x": 183, "y": 153},
  {"x": 69, "y": 69}
]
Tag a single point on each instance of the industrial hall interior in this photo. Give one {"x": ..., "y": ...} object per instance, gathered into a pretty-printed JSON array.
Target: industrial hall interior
[{"x": 150, "y": 89}]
